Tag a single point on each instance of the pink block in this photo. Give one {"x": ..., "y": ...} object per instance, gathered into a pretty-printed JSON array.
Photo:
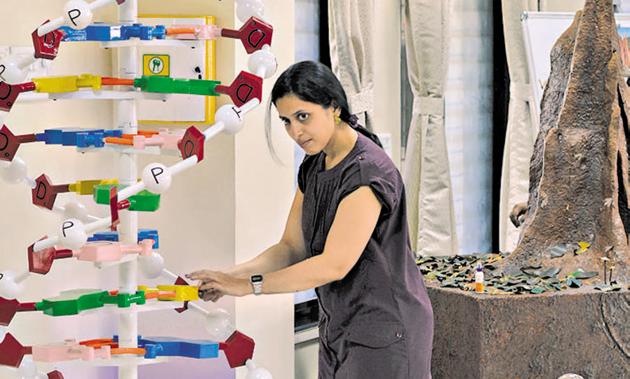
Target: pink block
[
  {"x": 68, "y": 351},
  {"x": 166, "y": 139},
  {"x": 105, "y": 251},
  {"x": 202, "y": 32},
  {"x": 171, "y": 138},
  {"x": 101, "y": 251}
]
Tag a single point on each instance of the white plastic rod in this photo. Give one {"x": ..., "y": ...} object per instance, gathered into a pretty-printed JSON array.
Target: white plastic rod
[
  {"x": 22, "y": 277},
  {"x": 61, "y": 21},
  {"x": 197, "y": 308},
  {"x": 127, "y": 120},
  {"x": 250, "y": 105},
  {"x": 214, "y": 130},
  {"x": 133, "y": 189},
  {"x": 169, "y": 275},
  {"x": 61, "y": 210},
  {"x": 26, "y": 61},
  {"x": 183, "y": 165}
]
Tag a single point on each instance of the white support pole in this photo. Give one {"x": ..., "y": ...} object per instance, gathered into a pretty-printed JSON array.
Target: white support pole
[{"x": 126, "y": 119}]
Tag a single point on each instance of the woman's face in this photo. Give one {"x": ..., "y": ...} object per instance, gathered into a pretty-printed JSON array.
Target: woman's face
[{"x": 310, "y": 125}]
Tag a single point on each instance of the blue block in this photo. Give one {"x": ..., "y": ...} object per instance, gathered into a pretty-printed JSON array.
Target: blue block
[
  {"x": 78, "y": 137},
  {"x": 143, "y": 32},
  {"x": 143, "y": 234},
  {"x": 152, "y": 351},
  {"x": 104, "y": 33},
  {"x": 51, "y": 136},
  {"x": 89, "y": 139},
  {"x": 175, "y": 347},
  {"x": 74, "y": 137}
]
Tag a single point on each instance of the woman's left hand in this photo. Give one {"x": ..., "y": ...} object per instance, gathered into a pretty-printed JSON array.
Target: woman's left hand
[{"x": 218, "y": 284}]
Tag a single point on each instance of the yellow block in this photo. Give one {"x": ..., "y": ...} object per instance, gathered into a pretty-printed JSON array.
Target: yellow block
[
  {"x": 86, "y": 187},
  {"x": 156, "y": 65},
  {"x": 89, "y": 81},
  {"x": 182, "y": 293},
  {"x": 60, "y": 84}
]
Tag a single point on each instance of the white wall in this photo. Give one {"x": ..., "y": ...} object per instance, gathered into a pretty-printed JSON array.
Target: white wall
[{"x": 386, "y": 46}]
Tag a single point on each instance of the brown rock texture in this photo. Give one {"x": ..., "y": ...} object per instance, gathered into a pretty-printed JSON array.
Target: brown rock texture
[
  {"x": 579, "y": 169},
  {"x": 583, "y": 331}
]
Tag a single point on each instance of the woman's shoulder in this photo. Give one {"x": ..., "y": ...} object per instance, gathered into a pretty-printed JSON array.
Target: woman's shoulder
[{"x": 373, "y": 160}]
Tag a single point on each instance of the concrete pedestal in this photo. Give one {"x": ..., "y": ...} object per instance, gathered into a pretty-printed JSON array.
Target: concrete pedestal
[{"x": 582, "y": 331}]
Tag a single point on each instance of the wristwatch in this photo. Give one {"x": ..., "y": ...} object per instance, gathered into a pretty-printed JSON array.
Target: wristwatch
[{"x": 256, "y": 281}]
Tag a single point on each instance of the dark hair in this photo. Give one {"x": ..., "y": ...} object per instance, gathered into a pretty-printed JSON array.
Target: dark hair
[{"x": 315, "y": 83}]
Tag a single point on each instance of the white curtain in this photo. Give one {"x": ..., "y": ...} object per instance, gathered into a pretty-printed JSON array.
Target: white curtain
[
  {"x": 350, "y": 27},
  {"x": 468, "y": 121},
  {"x": 522, "y": 124},
  {"x": 426, "y": 167}
]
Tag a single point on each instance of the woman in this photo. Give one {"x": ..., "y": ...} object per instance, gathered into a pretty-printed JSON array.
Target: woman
[{"x": 346, "y": 236}]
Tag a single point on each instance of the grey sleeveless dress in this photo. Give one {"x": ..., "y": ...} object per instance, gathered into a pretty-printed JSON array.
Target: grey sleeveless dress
[{"x": 377, "y": 322}]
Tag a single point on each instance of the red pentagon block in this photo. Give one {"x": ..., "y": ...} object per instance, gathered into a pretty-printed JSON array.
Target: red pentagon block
[
  {"x": 113, "y": 207},
  {"x": 45, "y": 193},
  {"x": 8, "y": 309},
  {"x": 10, "y": 143},
  {"x": 182, "y": 282},
  {"x": 40, "y": 262},
  {"x": 47, "y": 46},
  {"x": 12, "y": 351},
  {"x": 55, "y": 374},
  {"x": 192, "y": 144},
  {"x": 254, "y": 34},
  {"x": 245, "y": 87},
  {"x": 238, "y": 349},
  {"x": 10, "y": 92}
]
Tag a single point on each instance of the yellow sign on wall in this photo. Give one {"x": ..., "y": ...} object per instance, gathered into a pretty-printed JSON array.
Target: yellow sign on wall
[{"x": 156, "y": 65}]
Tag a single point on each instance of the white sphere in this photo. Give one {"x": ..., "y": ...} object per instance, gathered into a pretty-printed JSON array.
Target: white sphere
[
  {"x": 249, "y": 8},
  {"x": 77, "y": 14},
  {"x": 11, "y": 72},
  {"x": 72, "y": 234},
  {"x": 9, "y": 288},
  {"x": 219, "y": 325},
  {"x": 231, "y": 117},
  {"x": 254, "y": 372},
  {"x": 74, "y": 209},
  {"x": 157, "y": 178},
  {"x": 151, "y": 265},
  {"x": 15, "y": 172},
  {"x": 263, "y": 60}
]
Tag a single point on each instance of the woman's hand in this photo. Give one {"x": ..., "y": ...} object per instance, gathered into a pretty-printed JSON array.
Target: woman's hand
[{"x": 216, "y": 284}]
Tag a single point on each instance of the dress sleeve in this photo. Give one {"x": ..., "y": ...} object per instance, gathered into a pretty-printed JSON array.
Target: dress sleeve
[
  {"x": 302, "y": 172},
  {"x": 379, "y": 179}
]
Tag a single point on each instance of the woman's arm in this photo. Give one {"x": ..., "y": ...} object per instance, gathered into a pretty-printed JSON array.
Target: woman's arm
[
  {"x": 289, "y": 250},
  {"x": 350, "y": 232}
]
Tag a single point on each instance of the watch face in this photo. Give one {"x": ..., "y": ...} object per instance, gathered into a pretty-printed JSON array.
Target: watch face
[{"x": 256, "y": 278}]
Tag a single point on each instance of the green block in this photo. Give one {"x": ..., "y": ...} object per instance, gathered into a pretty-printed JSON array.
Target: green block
[
  {"x": 124, "y": 300},
  {"x": 144, "y": 201},
  {"x": 72, "y": 302},
  {"x": 165, "y": 84}
]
